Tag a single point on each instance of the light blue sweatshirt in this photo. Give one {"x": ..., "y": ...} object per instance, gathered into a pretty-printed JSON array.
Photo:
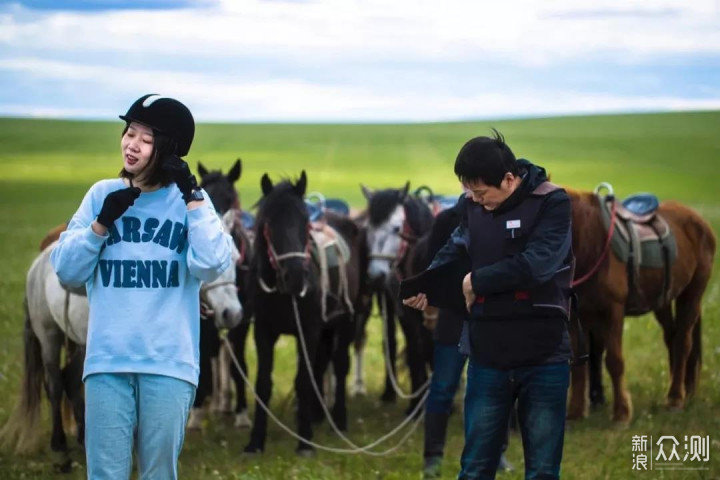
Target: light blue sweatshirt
[{"x": 143, "y": 280}]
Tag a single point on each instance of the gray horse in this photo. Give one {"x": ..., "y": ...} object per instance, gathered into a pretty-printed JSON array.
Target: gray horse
[{"x": 57, "y": 318}]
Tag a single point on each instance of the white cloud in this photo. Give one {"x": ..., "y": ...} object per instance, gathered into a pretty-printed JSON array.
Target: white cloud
[
  {"x": 517, "y": 30},
  {"x": 224, "y": 98},
  {"x": 118, "y": 54}
]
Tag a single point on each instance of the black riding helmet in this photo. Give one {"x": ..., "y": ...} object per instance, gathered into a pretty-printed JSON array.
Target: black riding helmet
[{"x": 165, "y": 116}]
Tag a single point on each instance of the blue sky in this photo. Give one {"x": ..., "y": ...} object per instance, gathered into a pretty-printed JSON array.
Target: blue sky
[{"x": 353, "y": 60}]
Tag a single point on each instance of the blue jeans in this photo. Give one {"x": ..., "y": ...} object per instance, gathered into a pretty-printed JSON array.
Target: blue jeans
[
  {"x": 149, "y": 411},
  {"x": 448, "y": 364},
  {"x": 541, "y": 393}
]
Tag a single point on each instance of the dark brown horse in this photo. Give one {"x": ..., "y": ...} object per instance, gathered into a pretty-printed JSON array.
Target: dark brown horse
[{"x": 603, "y": 300}]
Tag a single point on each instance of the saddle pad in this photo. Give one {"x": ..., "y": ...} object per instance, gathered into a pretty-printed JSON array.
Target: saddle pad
[
  {"x": 645, "y": 243},
  {"x": 334, "y": 247}
]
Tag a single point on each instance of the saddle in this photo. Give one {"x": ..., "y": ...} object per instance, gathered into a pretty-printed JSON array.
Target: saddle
[
  {"x": 642, "y": 238},
  {"x": 317, "y": 204},
  {"x": 436, "y": 203},
  {"x": 331, "y": 254}
]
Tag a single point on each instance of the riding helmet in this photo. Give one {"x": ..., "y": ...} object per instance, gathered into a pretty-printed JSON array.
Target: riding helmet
[{"x": 165, "y": 116}]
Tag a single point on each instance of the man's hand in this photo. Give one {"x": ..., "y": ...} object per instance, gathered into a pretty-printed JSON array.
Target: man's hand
[
  {"x": 468, "y": 291},
  {"x": 115, "y": 204},
  {"x": 181, "y": 174},
  {"x": 418, "y": 302}
]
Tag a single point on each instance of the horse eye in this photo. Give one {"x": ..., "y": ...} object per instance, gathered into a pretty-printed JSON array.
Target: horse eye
[{"x": 396, "y": 229}]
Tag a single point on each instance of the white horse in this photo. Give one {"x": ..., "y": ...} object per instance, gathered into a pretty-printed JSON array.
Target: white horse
[{"x": 57, "y": 318}]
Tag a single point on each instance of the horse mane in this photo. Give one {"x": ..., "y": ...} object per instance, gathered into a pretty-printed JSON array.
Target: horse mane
[
  {"x": 211, "y": 177},
  {"x": 445, "y": 223},
  {"x": 276, "y": 201},
  {"x": 382, "y": 204},
  {"x": 418, "y": 215}
]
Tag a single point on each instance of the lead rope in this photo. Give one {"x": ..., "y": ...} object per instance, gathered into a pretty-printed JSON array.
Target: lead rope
[
  {"x": 356, "y": 449},
  {"x": 388, "y": 367}
]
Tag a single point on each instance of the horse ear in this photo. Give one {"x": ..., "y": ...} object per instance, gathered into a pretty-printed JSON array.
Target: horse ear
[
  {"x": 202, "y": 170},
  {"x": 404, "y": 191},
  {"x": 266, "y": 184},
  {"x": 366, "y": 192},
  {"x": 235, "y": 172},
  {"x": 301, "y": 185}
]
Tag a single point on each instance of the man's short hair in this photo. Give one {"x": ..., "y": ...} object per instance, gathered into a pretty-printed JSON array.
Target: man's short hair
[{"x": 487, "y": 159}]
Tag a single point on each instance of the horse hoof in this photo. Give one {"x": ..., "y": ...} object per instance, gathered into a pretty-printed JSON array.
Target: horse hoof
[
  {"x": 575, "y": 414},
  {"x": 358, "y": 390},
  {"x": 675, "y": 405},
  {"x": 242, "y": 420},
  {"x": 195, "y": 419},
  {"x": 251, "y": 451},
  {"x": 65, "y": 466},
  {"x": 388, "y": 397},
  {"x": 305, "y": 452}
]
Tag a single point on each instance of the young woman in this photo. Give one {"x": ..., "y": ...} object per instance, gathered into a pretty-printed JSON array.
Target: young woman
[{"x": 141, "y": 244}]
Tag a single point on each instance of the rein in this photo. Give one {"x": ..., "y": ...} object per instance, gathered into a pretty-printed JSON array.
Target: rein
[{"x": 606, "y": 248}]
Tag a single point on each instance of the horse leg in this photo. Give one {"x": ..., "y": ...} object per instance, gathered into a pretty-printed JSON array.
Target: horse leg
[
  {"x": 205, "y": 379},
  {"x": 359, "y": 343},
  {"x": 341, "y": 366},
  {"x": 665, "y": 318},
  {"x": 411, "y": 322},
  {"x": 55, "y": 391},
  {"x": 597, "y": 349},
  {"x": 687, "y": 319},
  {"x": 237, "y": 337},
  {"x": 320, "y": 366},
  {"x": 72, "y": 381},
  {"x": 389, "y": 395},
  {"x": 264, "y": 344},
  {"x": 577, "y": 405},
  {"x": 622, "y": 409},
  {"x": 305, "y": 391}
]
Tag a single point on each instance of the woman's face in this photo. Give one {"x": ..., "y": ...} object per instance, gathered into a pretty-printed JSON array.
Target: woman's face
[{"x": 137, "y": 148}]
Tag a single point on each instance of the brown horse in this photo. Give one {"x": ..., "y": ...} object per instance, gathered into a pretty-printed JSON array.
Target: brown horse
[{"x": 603, "y": 299}]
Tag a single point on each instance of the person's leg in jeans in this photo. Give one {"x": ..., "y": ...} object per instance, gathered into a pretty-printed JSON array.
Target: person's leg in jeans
[
  {"x": 163, "y": 406},
  {"x": 542, "y": 403},
  {"x": 448, "y": 365},
  {"x": 488, "y": 400},
  {"x": 110, "y": 420}
]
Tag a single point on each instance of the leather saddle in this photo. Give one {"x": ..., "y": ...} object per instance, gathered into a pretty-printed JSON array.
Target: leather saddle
[{"x": 642, "y": 238}]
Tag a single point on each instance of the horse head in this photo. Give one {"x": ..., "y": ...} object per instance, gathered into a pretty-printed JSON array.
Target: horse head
[
  {"x": 221, "y": 295},
  {"x": 395, "y": 221},
  {"x": 282, "y": 240},
  {"x": 220, "y": 187}
]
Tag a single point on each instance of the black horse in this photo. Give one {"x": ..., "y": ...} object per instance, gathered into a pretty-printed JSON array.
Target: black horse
[
  {"x": 396, "y": 221},
  {"x": 221, "y": 190},
  {"x": 287, "y": 277}
]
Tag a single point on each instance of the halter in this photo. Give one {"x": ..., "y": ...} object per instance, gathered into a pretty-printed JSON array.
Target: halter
[
  {"x": 407, "y": 237},
  {"x": 275, "y": 259}
]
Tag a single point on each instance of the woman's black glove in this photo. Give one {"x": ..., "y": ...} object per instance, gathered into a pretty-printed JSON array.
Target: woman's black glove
[
  {"x": 180, "y": 173},
  {"x": 115, "y": 204}
]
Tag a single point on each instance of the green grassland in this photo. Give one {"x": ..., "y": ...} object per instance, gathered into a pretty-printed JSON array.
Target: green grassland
[{"x": 47, "y": 166}]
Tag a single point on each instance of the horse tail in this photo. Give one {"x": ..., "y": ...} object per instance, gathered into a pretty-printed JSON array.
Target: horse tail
[{"x": 21, "y": 431}]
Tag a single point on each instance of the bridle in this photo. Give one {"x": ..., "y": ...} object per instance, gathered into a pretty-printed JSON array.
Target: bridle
[
  {"x": 407, "y": 238},
  {"x": 276, "y": 259}
]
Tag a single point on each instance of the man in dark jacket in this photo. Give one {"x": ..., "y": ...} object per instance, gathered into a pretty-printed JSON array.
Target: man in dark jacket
[
  {"x": 516, "y": 233},
  {"x": 448, "y": 362}
]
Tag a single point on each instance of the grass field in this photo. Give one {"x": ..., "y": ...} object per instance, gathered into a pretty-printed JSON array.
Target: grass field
[{"x": 46, "y": 167}]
